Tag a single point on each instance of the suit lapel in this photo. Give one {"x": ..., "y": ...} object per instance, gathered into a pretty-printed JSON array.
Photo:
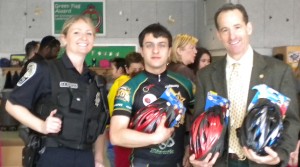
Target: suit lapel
[
  {"x": 219, "y": 77},
  {"x": 257, "y": 74}
]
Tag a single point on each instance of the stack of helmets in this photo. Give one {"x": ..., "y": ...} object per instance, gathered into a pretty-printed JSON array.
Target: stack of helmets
[
  {"x": 208, "y": 132},
  {"x": 148, "y": 118},
  {"x": 262, "y": 126}
]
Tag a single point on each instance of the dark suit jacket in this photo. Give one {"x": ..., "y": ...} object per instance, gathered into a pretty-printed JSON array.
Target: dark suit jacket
[{"x": 266, "y": 70}]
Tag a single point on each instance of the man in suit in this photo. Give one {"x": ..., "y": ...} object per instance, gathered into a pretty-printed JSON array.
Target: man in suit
[{"x": 234, "y": 30}]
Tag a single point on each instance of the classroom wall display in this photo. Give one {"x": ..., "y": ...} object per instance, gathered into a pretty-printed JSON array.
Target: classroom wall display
[
  {"x": 106, "y": 52},
  {"x": 64, "y": 9}
]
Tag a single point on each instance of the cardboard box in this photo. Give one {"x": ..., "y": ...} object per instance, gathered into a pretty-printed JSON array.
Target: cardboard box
[{"x": 291, "y": 54}]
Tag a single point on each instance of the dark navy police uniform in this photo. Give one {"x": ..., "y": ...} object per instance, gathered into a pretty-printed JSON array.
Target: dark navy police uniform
[
  {"x": 56, "y": 84},
  {"x": 142, "y": 90}
]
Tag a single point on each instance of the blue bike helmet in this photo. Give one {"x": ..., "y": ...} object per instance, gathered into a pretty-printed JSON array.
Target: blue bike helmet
[{"x": 262, "y": 126}]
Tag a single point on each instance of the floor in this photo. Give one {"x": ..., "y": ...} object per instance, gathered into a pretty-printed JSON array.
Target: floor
[{"x": 11, "y": 146}]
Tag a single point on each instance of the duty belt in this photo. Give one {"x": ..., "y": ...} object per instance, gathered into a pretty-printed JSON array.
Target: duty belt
[{"x": 50, "y": 142}]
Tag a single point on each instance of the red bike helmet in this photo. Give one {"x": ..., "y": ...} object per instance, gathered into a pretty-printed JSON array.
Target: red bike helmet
[
  {"x": 261, "y": 127},
  {"x": 208, "y": 132},
  {"x": 147, "y": 118}
]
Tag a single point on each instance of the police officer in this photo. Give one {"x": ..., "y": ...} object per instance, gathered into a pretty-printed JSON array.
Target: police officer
[
  {"x": 61, "y": 100},
  {"x": 47, "y": 49}
]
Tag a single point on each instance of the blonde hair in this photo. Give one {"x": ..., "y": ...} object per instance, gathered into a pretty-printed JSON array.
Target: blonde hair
[
  {"x": 68, "y": 23},
  {"x": 180, "y": 41}
]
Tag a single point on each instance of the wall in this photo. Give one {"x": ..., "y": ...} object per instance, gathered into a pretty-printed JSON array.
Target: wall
[
  {"x": 25, "y": 20},
  {"x": 275, "y": 23}
]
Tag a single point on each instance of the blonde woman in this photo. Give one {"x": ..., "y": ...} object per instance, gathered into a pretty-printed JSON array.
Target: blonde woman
[
  {"x": 60, "y": 100},
  {"x": 183, "y": 53}
]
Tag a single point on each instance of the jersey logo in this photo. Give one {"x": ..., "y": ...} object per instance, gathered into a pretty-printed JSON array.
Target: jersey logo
[
  {"x": 148, "y": 99},
  {"x": 147, "y": 88},
  {"x": 172, "y": 86},
  {"x": 123, "y": 93},
  {"x": 31, "y": 70}
]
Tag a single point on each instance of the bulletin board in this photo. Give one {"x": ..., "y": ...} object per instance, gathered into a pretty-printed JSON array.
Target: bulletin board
[
  {"x": 106, "y": 52},
  {"x": 64, "y": 9}
]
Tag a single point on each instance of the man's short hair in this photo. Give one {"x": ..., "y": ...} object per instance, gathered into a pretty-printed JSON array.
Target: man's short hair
[
  {"x": 231, "y": 6},
  {"x": 49, "y": 41},
  {"x": 30, "y": 46},
  {"x": 158, "y": 31}
]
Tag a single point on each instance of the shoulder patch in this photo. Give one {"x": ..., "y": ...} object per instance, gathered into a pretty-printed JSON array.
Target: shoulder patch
[
  {"x": 123, "y": 93},
  {"x": 31, "y": 70}
]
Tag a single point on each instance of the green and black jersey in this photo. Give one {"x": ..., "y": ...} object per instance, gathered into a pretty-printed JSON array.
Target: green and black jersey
[{"x": 142, "y": 90}]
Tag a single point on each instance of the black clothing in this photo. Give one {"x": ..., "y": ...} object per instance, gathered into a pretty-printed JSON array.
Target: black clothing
[
  {"x": 36, "y": 57},
  {"x": 56, "y": 84}
]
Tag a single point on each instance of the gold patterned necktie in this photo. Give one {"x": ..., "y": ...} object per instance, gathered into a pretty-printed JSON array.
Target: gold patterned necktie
[{"x": 237, "y": 109}]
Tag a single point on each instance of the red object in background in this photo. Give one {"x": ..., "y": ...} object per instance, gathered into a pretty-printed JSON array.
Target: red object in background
[
  {"x": 95, "y": 16},
  {"x": 122, "y": 156},
  {"x": 104, "y": 63}
]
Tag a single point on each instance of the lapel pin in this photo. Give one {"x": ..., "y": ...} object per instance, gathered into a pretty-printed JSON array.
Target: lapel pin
[{"x": 261, "y": 76}]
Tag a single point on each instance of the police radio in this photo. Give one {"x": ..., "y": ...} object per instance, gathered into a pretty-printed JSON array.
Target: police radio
[{"x": 104, "y": 116}]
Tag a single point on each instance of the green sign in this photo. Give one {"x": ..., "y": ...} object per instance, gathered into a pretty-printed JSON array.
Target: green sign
[
  {"x": 64, "y": 9},
  {"x": 105, "y": 52}
]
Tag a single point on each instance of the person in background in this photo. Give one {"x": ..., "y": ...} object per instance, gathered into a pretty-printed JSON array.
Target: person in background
[
  {"x": 183, "y": 53},
  {"x": 202, "y": 59},
  {"x": 122, "y": 70},
  {"x": 234, "y": 30},
  {"x": 119, "y": 76},
  {"x": 62, "y": 100},
  {"x": 31, "y": 49},
  {"x": 48, "y": 49},
  {"x": 134, "y": 64},
  {"x": 165, "y": 147}
]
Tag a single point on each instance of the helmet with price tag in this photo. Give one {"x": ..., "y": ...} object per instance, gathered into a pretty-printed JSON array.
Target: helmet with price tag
[
  {"x": 208, "y": 132},
  {"x": 262, "y": 126}
]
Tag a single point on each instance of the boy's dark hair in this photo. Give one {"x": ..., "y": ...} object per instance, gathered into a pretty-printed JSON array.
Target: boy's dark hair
[
  {"x": 31, "y": 46},
  {"x": 133, "y": 57},
  {"x": 231, "y": 6},
  {"x": 158, "y": 31},
  {"x": 49, "y": 41},
  {"x": 119, "y": 63}
]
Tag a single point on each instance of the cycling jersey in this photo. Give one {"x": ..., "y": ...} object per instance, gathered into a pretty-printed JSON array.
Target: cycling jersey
[{"x": 142, "y": 90}]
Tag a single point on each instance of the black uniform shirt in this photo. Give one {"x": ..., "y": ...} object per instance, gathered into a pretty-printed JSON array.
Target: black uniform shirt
[{"x": 36, "y": 82}]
